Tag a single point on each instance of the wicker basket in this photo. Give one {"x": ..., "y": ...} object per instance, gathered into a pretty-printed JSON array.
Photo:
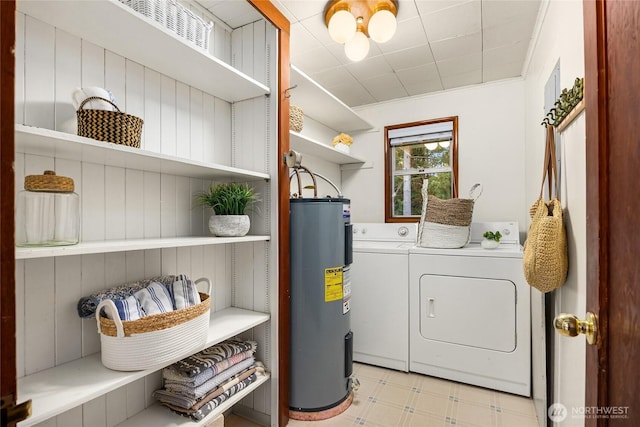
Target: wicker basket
[
  {"x": 109, "y": 126},
  {"x": 296, "y": 118},
  {"x": 153, "y": 340}
]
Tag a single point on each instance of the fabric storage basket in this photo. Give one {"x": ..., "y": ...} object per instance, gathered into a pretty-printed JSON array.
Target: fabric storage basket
[
  {"x": 153, "y": 340},
  {"x": 109, "y": 126},
  {"x": 296, "y": 118}
]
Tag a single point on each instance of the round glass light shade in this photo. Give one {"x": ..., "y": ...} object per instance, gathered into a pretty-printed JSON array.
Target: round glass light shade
[
  {"x": 382, "y": 26},
  {"x": 431, "y": 146},
  {"x": 342, "y": 26},
  {"x": 357, "y": 48},
  {"x": 444, "y": 144}
]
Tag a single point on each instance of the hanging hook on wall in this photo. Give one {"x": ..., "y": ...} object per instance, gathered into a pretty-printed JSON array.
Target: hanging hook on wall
[
  {"x": 287, "y": 92},
  {"x": 564, "y": 105}
]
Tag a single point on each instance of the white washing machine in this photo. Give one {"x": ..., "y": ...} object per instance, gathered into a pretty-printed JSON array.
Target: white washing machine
[
  {"x": 380, "y": 293},
  {"x": 470, "y": 312}
]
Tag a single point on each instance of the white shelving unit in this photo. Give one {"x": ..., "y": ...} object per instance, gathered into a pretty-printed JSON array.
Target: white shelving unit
[
  {"x": 109, "y": 246},
  {"x": 120, "y": 29},
  {"x": 45, "y": 142},
  {"x": 157, "y": 415},
  {"x": 309, "y": 146},
  {"x": 56, "y": 390},
  {"x": 323, "y": 106}
]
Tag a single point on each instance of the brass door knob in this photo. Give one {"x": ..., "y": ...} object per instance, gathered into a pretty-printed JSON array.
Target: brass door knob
[{"x": 569, "y": 325}]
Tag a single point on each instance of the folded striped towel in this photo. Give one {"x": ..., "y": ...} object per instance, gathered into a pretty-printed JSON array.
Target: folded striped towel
[
  {"x": 185, "y": 293},
  {"x": 128, "y": 309},
  {"x": 154, "y": 299}
]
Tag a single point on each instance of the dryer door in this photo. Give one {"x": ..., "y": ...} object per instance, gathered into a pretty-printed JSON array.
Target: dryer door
[{"x": 469, "y": 311}]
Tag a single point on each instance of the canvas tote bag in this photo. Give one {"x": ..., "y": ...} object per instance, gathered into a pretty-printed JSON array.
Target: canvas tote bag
[
  {"x": 446, "y": 223},
  {"x": 545, "y": 250}
]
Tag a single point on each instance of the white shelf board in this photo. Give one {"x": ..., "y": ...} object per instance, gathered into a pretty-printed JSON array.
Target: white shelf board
[
  {"x": 159, "y": 416},
  {"x": 46, "y": 142},
  {"x": 309, "y": 146},
  {"x": 108, "y": 246},
  {"x": 121, "y": 30},
  {"x": 323, "y": 106},
  {"x": 56, "y": 390}
]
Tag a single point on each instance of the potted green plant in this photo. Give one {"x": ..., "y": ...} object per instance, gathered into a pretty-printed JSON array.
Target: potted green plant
[
  {"x": 491, "y": 239},
  {"x": 229, "y": 203}
]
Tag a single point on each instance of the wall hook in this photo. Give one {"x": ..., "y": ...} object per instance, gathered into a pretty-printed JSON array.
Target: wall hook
[{"x": 287, "y": 93}]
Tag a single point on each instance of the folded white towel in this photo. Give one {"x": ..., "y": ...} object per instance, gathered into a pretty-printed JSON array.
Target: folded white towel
[
  {"x": 80, "y": 94},
  {"x": 185, "y": 293},
  {"x": 154, "y": 299}
]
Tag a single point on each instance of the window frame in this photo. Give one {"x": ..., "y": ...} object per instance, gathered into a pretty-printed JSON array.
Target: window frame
[{"x": 388, "y": 180}]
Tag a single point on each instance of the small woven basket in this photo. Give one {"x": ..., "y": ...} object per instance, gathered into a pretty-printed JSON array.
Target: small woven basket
[
  {"x": 109, "y": 126},
  {"x": 296, "y": 118},
  {"x": 154, "y": 340}
]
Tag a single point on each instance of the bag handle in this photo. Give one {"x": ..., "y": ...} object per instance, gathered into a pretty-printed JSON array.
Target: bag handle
[
  {"x": 549, "y": 170},
  {"x": 110, "y": 307},
  {"x": 97, "y": 98}
]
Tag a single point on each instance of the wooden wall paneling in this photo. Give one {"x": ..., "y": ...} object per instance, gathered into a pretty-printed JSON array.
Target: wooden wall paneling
[
  {"x": 19, "y": 69},
  {"x": 152, "y": 102},
  {"x": 39, "y": 73},
  {"x": 183, "y": 261},
  {"x": 39, "y": 315},
  {"x": 197, "y": 263},
  {"x": 151, "y": 201},
  {"x": 70, "y": 418},
  {"x": 198, "y": 219},
  {"x": 94, "y": 411},
  {"x": 115, "y": 202},
  {"x": 92, "y": 64},
  {"x": 116, "y": 405},
  {"x": 209, "y": 131},
  {"x": 135, "y": 266},
  {"x": 115, "y": 78},
  {"x": 68, "y": 66},
  {"x": 209, "y": 271},
  {"x": 197, "y": 126},
  {"x": 52, "y": 422},
  {"x": 242, "y": 276},
  {"x": 115, "y": 271},
  {"x": 168, "y": 116},
  {"x": 134, "y": 92},
  {"x": 222, "y": 136},
  {"x": 152, "y": 382},
  {"x": 136, "y": 399},
  {"x": 93, "y": 280},
  {"x": 20, "y": 319},
  {"x": 183, "y": 123},
  {"x": 92, "y": 201},
  {"x": 68, "y": 325},
  {"x": 152, "y": 262},
  {"x": 218, "y": 42},
  {"x": 168, "y": 206},
  {"x": 183, "y": 206},
  {"x": 134, "y": 201},
  {"x": 169, "y": 260},
  {"x": 36, "y": 165}
]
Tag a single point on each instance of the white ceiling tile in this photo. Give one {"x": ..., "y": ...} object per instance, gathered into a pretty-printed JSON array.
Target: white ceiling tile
[
  {"x": 409, "y": 34},
  {"x": 352, "y": 94},
  {"x": 498, "y": 71},
  {"x": 282, "y": 7},
  {"x": 315, "y": 60},
  {"x": 410, "y": 58},
  {"x": 424, "y": 86},
  {"x": 303, "y": 9},
  {"x": 234, "y": 14},
  {"x": 455, "y": 21},
  {"x": 302, "y": 40},
  {"x": 508, "y": 32},
  {"x": 315, "y": 25},
  {"x": 498, "y": 12},
  {"x": 369, "y": 67},
  {"x": 512, "y": 53},
  {"x": 460, "y": 64},
  {"x": 458, "y": 46},
  {"x": 406, "y": 10},
  {"x": 429, "y": 6},
  {"x": 333, "y": 77},
  {"x": 384, "y": 87},
  {"x": 413, "y": 76},
  {"x": 457, "y": 80}
]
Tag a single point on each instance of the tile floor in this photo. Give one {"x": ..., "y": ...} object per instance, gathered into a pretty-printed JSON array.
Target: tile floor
[{"x": 388, "y": 398}]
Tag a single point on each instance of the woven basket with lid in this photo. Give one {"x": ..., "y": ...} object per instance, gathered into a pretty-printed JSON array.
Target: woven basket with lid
[{"x": 49, "y": 182}]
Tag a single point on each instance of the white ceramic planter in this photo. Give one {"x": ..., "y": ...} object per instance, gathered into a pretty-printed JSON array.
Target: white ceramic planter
[
  {"x": 489, "y": 244},
  {"x": 229, "y": 225},
  {"x": 342, "y": 147}
]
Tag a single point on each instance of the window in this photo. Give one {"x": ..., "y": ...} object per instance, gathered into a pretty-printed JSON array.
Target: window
[{"x": 415, "y": 151}]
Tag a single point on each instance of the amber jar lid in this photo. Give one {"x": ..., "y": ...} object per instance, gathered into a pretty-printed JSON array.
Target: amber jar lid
[{"x": 49, "y": 182}]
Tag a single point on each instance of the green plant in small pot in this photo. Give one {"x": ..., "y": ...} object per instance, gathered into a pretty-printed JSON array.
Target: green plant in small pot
[
  {"x": 491, "y": 239},
  {"x": 229, "y": 203}
]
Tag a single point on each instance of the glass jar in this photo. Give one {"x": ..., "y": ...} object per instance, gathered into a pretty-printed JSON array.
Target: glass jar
[{"x": 47, "y": 212}]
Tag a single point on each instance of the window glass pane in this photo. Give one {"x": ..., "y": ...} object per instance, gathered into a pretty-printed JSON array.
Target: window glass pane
[
  {"x": 423, "y": 156},
  {"x": 407, "y": 197}
]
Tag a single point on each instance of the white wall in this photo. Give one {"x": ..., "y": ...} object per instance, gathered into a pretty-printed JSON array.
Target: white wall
[
  {"x": 561, "y": 38},
  {"x": 490, "y": 140}
]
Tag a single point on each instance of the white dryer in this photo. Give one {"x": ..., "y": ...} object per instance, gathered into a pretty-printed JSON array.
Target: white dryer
[{"x": 470, "y": 312}]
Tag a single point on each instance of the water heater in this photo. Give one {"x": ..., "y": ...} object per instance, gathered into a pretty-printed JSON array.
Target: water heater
[{"x": 321, "y": 337}]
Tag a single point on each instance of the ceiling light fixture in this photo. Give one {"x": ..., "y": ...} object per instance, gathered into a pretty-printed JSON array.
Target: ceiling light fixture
[{"x": 352, "y": 22}]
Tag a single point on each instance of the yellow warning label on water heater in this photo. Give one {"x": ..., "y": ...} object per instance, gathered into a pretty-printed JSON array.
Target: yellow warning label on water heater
[{"x": 332, "y": 284}]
